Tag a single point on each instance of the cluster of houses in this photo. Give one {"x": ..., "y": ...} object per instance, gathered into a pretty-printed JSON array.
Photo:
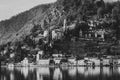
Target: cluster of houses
[{"x": 62, "y": 60}]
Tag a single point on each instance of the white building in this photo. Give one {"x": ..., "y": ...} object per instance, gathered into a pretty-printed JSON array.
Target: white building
[
  {"x": 105, "y": 62},
  {"x": 25, "y": 62},
  {"x": 39, "y": 55},
  {"x": 81, "y": 62},
  {"x": 100, "y": 34},
  {"x": 57, "y": 34},
  {"x": 40, "y": 61},
  {"x": 57, "y": 60},
  {"x": 72, "y": 61},
  {"x": 43, "y": 62},
  {"x": 46, "y": 33},
  {"x": 95, "y": 61},
  {"x": 57, "y": 55}
]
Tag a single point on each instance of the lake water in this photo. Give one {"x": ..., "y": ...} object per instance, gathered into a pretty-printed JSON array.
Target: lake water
[{"x": 65, "y": 73}]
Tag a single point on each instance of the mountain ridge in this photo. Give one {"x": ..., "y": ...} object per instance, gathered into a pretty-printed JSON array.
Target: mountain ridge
[{"x": 15, "y": 23}]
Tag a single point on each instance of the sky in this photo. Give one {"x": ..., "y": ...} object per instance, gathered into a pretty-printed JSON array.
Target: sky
[{"x": 9, "y": 8}]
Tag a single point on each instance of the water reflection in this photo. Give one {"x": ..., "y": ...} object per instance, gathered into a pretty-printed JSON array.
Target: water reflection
[
  {"x": 41, "y": 72},
  {"x": 57, "y": 74},
  {"x": 64, "y": 73}
]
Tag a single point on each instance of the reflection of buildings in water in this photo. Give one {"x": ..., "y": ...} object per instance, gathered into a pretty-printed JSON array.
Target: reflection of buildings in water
[
  {"x": 115, "y": 70},
  {"x": 89, "y": 71},
  {"x": 81, "y": 70},
  {"x": 57, "y": 74},
  {"x": 64, "y": 68},
  {"x": 106, "y": 71},
  {"x": 31, "y": 69},
  {"x": 92, "y": 71},
  {"x": 25, "y": 71},
  {"x": 42, "y": 72},
  {"x": 118, "y": 70},
  {"x": 72, "y": 71},
  {"x": 11, "y": 68},
  {"x": 3, "y": 78},
  {"x": 11, "y": 76},
  {"x": 39, "y": 77}
]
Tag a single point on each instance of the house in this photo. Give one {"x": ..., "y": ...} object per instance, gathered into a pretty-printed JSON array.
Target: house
[
  {"x": 72, "y": 61},
  {"x": 105, "y": 62},
  {"x": 10, "y": 65},
  {"x": 12, "y": 55},
  {"x": 43, "y": 62},
  {"x": 25, "y": 62},
  {"x": 46, "y": 33},
  {"x": 57, "y": 34},
  {"x": 39, "y": 55},
  {"x": 81, "y": 63},
  {"x": 57, "y": 55},
  {"x": 96, "y": 61},
  {"x": 100, "y": 33},
  {"x": 57, "y": 58},
  {"x": 54, "y": 35},
  {"x": 92, "y": 61},
  {"x": 40, "y": 61}
]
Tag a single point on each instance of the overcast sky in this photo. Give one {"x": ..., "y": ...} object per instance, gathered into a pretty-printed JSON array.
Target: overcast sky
[{"x": 10, "y": 8}]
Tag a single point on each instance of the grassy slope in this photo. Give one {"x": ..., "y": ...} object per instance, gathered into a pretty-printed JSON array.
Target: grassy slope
[{"x": 20, "y": 23}]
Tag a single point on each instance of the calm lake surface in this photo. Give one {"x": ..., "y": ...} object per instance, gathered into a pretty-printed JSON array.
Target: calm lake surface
[{"x": 65, "y": 73}]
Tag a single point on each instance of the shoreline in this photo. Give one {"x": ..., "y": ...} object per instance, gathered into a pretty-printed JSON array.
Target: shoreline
[{"x": 54, "y": 66}]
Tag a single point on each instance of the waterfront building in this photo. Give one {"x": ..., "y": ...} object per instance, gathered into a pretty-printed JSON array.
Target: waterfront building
[
  {"x": 10, "y": 65},
  {"x": 40, "y": 60},
  {"x": 96, "y": 61},
  {"x": 25, "y": 62},
  {"x": 57, "y": 58},
  {"x": 100, "y": 34},
  {"x": 39, "y": 55},
  {"x": 105, "y": 62},
  {"x": 81, "y": 62},
  {"x": 72, "y": 61},
  {"x": 57, "y": 34},
  {"x": 46, "y": 33},
  {"x": 57, "y": 55},
  {"x": 43, "y": 62}
]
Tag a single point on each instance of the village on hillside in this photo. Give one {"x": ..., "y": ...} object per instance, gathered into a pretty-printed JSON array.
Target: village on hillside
[{"x": 87, "y": 41}]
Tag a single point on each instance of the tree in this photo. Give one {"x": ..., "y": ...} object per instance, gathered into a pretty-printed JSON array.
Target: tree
[
  {"x": 115, "y": 12},
  {"x": 108, "y": 7},
  {"x": 100, "y": 12},
  {"x": 100, "y": 3}
]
